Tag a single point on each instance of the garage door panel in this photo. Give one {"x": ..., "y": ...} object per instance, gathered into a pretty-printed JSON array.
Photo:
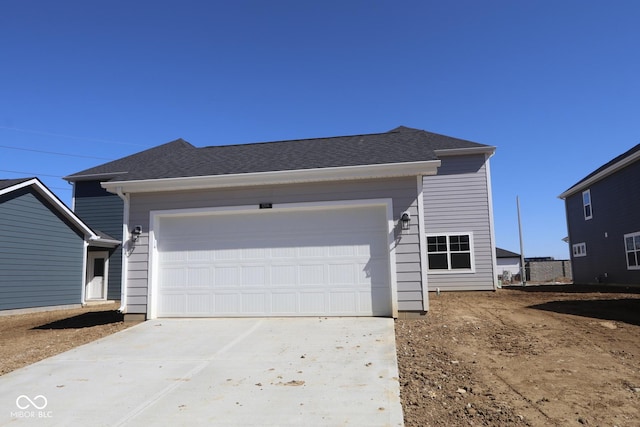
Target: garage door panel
[
  {"x": 226, "y": 277},
  {"x": 284, "y": 303},
  {"x": 254, "y": 302},
  {"x": 284, "y": 263},
  {"x": 342, "y": 274},
  {"x": 226, "y": 303},
  {"x": 284, "y": 275},
  {"x": 253, "y": 275},
  {"x": 343, "y": 303},
  {"x": 313, "y": 302},
  {"x": 312, "y": 274}
]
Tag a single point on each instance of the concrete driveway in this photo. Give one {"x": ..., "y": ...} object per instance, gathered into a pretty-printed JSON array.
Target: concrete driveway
[{"x": 231, "y": 372}]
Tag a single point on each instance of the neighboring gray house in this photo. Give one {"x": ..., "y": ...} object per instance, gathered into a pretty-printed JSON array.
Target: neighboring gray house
[
  {"x": 604, "y": 224},
  {"x": 361, "y": 225},
  {"x": 44, "y": 250}
]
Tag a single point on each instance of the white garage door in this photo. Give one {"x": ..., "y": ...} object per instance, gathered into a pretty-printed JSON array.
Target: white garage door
[{"x": 329, "y": 262}]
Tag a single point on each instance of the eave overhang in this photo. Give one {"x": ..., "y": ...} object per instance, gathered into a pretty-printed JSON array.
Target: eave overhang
[
  {"x": 92, "y": 177},
  {"x": 388, "y": 170},
  {"x": 583, "y": 185},
  {"x": 488, "y": 150},
  {"x": 104, "y": 243}
]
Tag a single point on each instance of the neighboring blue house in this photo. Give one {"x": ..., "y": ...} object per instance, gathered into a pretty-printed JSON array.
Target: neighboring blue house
[
  {"x": 361, "y": 225},
  {"x": 48, "y": 256},
  {"x": 604, "y": 222}
]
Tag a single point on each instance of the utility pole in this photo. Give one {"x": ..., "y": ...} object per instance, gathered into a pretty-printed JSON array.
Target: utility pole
[{"x": 523, "y": 272}]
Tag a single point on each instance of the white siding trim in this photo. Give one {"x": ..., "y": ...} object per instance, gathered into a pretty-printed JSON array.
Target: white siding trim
[
  {"x": 492, "y": 230},
  {"x": 125, "y": 247},
  {"x": 85, "y": 250},
  {"x": 156, "y": 215},
  {"x": 387, "y": 170},
  {"x": 422, "y": 238}
]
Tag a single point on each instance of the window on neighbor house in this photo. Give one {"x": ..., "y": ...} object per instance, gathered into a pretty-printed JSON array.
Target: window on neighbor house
[
  {"x": 579, "y": 249},
  {"x": 450, "y": 252},
  {"x": 586, "y": 203},
  {"x": 632, "y": 249}
]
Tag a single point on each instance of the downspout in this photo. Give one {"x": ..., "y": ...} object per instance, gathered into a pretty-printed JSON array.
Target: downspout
[
  {"x": 125, "y": 241},
  {"x": 85, "y": 250}
]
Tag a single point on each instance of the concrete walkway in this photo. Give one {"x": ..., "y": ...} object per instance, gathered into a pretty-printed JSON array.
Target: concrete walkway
[{"x": 229, "y": 372}]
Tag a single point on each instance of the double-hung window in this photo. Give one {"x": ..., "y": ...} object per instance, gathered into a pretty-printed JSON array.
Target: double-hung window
[
  {"x": 586, "y": 203},
  {"x": 579, "y": 249},
  {"x": 450, "y": 252},
  {"x": 632, "y": 249}
]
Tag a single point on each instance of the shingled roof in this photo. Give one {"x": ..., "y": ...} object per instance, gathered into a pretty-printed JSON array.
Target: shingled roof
[
  {"x": 631, "y": 155},
  {"x": 6, "y": 183},
  {"x": 181, "y": 159}
]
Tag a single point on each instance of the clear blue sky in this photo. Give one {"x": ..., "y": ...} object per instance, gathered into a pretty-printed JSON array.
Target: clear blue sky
[{"x": 554, "y": 85}]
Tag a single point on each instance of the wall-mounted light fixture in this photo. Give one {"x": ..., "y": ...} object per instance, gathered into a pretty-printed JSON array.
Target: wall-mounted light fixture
[
  {"x": 405, "y": 218},
  {"x": 136, "y": 232}
]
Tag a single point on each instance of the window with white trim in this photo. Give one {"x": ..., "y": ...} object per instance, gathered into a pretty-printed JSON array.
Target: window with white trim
[
  {"x": 450, "y": 252},
  {"x": 579, "y": 249},
  {"x": 632, "y": 249},
  {"x": 586, "y": 203}
]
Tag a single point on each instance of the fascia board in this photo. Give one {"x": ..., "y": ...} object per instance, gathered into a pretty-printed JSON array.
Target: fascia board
[
  {"x": 465, "y": 151},
  {"x": 601, "y": 175},
  {"x": 388, "y": 170},
  {"x": 15, "y": 187},
  {"x": 104, "y": 243},
  {"x": 91, "y": 177},
  {"x": 53, "y": 199}
]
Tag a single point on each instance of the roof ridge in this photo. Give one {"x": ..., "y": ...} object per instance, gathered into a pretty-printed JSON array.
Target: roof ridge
[{"x": 294, "y": 140}]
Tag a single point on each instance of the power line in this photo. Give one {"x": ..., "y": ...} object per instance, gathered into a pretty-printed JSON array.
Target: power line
[
  {"x": 31, "y": 173},
  {"x": 53, "y": 152},
  {"x": 59, "y": 188},
  {"x": 39, "y": 132}
]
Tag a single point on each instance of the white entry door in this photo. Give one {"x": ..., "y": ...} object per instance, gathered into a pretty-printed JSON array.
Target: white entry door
[
  {"x": 96, "y": 288},
  {"x": 330, "y": 262}
]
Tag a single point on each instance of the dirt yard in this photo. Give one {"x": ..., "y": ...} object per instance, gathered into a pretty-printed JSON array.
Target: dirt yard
[
  {"x": 28, "y": 338},
  {"x": 539, "y": 356}
]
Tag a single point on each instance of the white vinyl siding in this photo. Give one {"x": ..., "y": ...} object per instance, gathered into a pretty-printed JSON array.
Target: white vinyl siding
[{"x": 457, "y": 200}]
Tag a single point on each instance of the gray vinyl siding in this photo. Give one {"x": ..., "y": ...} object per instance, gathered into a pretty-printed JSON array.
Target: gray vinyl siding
[
  {"x": 403, "y": 191},
  {"x": 103, "y": 211},
  {"x": 615, "y": 202},
  {"x": 456, "y": 200},
  {"x": 41, "y": 254}
]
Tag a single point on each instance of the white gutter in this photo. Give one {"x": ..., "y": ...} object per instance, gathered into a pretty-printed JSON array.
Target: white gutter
[
  {"x": 428, "y": 167},
  {"x": 465, "y": 151},
  {"x": 125, "y": 238},
  {"x": 83, "y": 293}
]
